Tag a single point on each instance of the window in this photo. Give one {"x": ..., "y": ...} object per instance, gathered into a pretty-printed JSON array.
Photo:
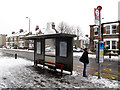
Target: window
[
  {"x": 50, "y": 47},
  {"x": 7, "y": 39},
  {"x": 113, "y": 44},
  {"x": 11, "y": 38},
  {"x": 12, "y": 45},
  {"x": 22, "y": 44},
  {"x": 96, "y": 30},
  {"x": 108, "y": 44},
  {"x": 15, "y": 38},
  {"x": 114, "y": 29},
  {"x": 7, "y": 43},
  {"x": 107, "y": 29}
]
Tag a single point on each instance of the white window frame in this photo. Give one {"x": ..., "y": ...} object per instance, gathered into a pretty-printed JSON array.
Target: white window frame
[
  {"x": 114, "y": 29},
  {"x": 22, "y": 44},
  {"x": 95, "y": 31},
  {"x": 7, "y": 38},
  {"x": 15, "y": 38},
  {"x": 115, "y": 44},
  {"x": 11, "y": 38},
  {"x": 107, "y": 29},
  {"x": 111, "y": 28},
  {"x": 106, "y": 44},
  {"x": 112, "y": 39}
]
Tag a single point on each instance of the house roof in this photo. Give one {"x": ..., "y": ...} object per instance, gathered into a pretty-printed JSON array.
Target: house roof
[
  {"x": 83, "y": 38},
  {"x": 48, "y": 36},
  {"x": 106, "y": 23}
]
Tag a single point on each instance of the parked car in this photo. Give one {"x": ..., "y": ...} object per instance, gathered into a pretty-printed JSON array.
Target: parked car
[
  {"x": 77, "y": 50},
  {"x": 49, "y": 49}
]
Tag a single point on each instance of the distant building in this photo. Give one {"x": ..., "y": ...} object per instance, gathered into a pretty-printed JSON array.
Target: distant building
[
  {"x": 109, "y": 35},
  {"x": 14, "y": 41},
  {"x": 2, "y": 40},
  {"x": 82, "y": 42}
]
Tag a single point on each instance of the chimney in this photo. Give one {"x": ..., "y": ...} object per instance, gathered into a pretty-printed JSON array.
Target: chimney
[
  {"x": 37, "y": 27},
  {"x": 13, "y": 32},
  {"x": 21, "y": 30},
  {"x": 53, "y": 27},
  {"x": 86, "y": 35}
]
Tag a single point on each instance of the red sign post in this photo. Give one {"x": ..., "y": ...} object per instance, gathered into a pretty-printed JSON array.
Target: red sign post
[{"x": 97, "y": 13}]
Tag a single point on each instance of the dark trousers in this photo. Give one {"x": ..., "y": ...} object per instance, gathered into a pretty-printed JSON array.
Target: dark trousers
[{"x": 84, "y": 70}]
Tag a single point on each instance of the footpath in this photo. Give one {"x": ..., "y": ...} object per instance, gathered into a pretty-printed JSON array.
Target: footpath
[{"x": 20, "y": 73}]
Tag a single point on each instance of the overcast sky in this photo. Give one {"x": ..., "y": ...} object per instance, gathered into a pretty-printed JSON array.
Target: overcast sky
[{"x": 13, "y": 13}]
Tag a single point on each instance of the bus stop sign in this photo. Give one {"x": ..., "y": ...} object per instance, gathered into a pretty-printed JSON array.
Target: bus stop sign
[{"x": 101, "y": 52}]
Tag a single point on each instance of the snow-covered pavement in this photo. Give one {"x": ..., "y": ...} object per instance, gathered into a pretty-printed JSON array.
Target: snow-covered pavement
[{"x": 20, "y": 73}]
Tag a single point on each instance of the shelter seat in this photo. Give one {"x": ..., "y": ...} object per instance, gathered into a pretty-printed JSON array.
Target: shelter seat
[{"x": 61, "y": 65}]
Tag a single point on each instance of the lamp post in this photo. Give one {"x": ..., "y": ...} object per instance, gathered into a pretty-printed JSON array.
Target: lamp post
[{"x": 29, "y": 23}]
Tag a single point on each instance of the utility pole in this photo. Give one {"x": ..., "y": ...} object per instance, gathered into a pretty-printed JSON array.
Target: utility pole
[
  {"x": 29, "y": 24},
  {"x": 119, "y": 29},
  {"x": 77, "y": 44},
  {"x": 99, "y": 40}
]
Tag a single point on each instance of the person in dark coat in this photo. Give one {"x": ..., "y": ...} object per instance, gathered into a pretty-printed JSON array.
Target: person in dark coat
[{"x": 85, "y": 60}]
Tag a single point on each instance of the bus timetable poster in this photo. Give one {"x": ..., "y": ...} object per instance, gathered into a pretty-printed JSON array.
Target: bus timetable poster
[{"x": 63, "y": 49}]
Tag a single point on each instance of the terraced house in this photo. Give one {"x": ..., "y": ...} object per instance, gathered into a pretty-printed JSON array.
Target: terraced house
[
  {"x": 2, "y": 40},
  {"x": 14, "y": 41},
  {"x": 110, "y": 33}
]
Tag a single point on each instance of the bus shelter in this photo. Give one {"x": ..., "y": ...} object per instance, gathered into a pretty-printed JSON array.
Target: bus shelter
[{"x": 53, "y": 50}]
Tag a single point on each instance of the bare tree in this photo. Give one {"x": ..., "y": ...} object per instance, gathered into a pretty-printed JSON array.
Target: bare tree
[
  {"x": 78, "y": 33},
  {"x": 64, "y": 28}
]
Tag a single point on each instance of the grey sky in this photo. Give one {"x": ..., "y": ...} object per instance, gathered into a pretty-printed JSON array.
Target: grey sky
[{"x": 13, "y": 13}]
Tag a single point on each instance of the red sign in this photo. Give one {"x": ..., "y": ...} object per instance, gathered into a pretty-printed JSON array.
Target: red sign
[
  {"x": 97, "y": 16},
  {"x": 96, "y": 13}
]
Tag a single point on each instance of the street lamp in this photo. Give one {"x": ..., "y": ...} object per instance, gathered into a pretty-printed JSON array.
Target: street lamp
[{"x": 29, "y": 23}]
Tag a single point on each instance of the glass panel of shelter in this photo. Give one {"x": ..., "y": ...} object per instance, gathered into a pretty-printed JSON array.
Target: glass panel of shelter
[{"x": 50, "y": 51}]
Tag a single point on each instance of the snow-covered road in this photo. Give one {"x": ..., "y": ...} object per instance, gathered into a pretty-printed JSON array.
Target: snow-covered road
[{"x": 20, "y": 73}]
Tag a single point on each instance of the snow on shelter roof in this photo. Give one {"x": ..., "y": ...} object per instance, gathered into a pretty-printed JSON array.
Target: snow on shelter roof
[{"x": 48, "y": 36}]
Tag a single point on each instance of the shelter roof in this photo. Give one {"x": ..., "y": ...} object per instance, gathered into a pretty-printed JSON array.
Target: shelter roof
[{"x": 47, "y": 36}]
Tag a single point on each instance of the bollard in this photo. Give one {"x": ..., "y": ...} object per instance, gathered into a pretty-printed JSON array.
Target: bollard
[
  {"x": 15, "y": 55},
  {"x": 109, "y": 55}
]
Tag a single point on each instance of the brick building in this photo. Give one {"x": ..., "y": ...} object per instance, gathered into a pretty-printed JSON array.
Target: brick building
[
  {"x": 14, "y": 41},
  {"x": 2, "y": 40},
  {"x": 110, "y": 35}
]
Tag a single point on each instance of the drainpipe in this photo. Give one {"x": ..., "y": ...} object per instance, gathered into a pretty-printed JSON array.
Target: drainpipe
[{"x": 119, "y": 41}]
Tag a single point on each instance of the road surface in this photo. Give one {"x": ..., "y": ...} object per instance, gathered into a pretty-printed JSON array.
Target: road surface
[{"x": 109, "y": 69}]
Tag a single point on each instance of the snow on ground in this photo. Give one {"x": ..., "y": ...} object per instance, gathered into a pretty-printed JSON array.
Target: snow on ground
[
  {"x": 113, "y": 58},
  {"x": 26, "y": 50},
  {"x": 20, "y": 73},
  {"x": 79, "y": 54}
]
